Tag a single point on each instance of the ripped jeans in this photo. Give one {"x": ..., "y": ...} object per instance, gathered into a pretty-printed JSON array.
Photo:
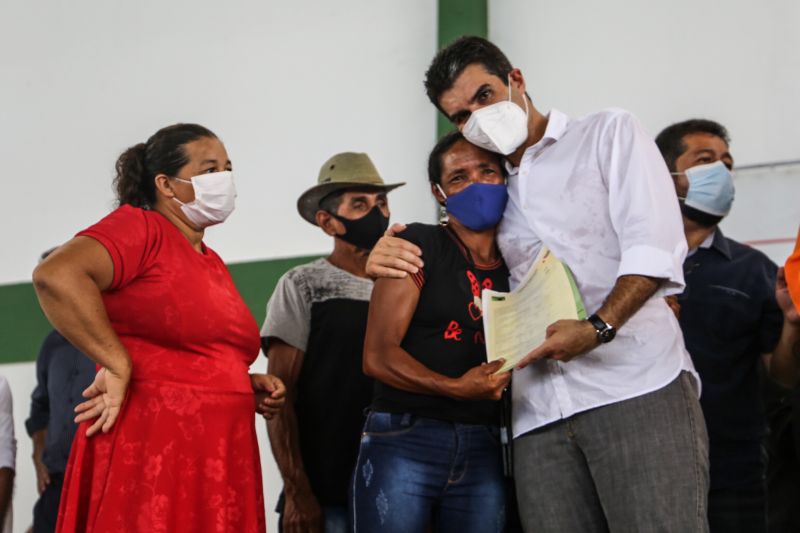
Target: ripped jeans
[{"x": 416, "y": 474}]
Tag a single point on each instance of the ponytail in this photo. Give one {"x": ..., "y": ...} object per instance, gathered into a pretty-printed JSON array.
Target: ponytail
[{"x": 131, "y": 183}]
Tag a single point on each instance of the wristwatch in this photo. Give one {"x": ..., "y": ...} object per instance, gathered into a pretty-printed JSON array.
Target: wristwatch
[{"x": 605, "y": 331}]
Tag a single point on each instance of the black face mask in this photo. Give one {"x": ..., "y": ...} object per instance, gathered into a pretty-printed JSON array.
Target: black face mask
[{"x": 364, "y": 232}]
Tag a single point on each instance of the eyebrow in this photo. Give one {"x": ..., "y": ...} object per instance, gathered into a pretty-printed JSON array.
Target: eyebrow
[
  {"x": 214, "y": 162},
  {"x": 463, "y": 113},
  {"x": 705, "y": 151},
  {"x": 359, "y": 198},
  {"x": 480, "y": 89},
  {"x": 450, "y": 173}
]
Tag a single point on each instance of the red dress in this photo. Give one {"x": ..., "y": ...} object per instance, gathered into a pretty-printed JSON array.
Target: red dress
[{"x": 183, "y": 454}]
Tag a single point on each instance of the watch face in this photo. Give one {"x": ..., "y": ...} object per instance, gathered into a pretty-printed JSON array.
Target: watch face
[{"x": 607, "y": 335}]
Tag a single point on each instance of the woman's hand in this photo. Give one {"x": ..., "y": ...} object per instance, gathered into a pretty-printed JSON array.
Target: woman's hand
[
  {"x": 784, "y": 299},
  {"x": 105, "y": 398},
  {"x": 270, "y": 394},
  {"x": 482, "y": 382}
]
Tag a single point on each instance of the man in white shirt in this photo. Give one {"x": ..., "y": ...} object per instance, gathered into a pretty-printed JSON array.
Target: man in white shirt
[
  {"x": 8, "y": 455},
  {"x": 608, "y": 430}
]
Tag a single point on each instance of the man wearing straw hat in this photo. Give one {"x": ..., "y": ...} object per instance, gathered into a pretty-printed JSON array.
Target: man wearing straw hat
[{"x": 313, "y": 336}]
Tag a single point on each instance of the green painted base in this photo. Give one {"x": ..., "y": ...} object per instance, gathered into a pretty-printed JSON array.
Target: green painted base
[{"x": 23, "y": 326}]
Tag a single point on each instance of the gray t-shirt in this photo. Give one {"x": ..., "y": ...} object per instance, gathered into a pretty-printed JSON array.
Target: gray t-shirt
[
  {"x": 322, "y": 310},
  {"x": 289, "y": 308}
]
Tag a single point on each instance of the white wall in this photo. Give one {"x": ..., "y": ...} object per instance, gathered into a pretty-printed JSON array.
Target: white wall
[
  {"x": 733, "y": 61},
  {"x": 284, "y": 84},
  {"x": 765, "y": 212}
]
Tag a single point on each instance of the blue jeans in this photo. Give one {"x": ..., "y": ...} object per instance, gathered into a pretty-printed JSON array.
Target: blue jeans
[{"x": 416, "y": 474}]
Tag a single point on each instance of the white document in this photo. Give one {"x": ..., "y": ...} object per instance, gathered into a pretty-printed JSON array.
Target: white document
[{"x": 514, "y": 323}]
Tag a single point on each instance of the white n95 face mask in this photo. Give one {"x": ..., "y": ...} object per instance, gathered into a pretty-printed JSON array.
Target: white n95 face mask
[
  {"x": 214, "y": 198},
  {"x": 501, "y": 127}
]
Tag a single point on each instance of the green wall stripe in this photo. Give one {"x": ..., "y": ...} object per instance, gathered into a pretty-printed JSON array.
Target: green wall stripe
[
  {"x": 23, "y": 326},
  {"x": 457, "y": 18}
]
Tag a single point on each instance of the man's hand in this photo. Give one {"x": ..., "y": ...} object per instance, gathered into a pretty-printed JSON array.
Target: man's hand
[
  {"x": 564, "y": 340},
  {"x": 270, "y": 394},
  {"x": 393, "y": 257},
  {"x": 302, "y": 513},
  {"x": 674, "y": 305},
  {"x": 784, "y": 299},
  {"x": 42, "y": 475},
  {"x": 482, "y": 382},
  {"x": 105, "y": 397}
]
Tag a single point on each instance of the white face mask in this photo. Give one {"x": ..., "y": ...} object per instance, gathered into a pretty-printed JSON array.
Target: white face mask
[
  {"x": 501, "y": 127},
  {"x": 214, "y": 198}
]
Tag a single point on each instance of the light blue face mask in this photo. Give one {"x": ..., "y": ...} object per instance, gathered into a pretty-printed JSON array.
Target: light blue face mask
[{"x": 711, "y": 188}]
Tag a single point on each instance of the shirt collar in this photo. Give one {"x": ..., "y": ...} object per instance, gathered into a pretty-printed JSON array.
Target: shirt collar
[
  {"x": 708, "y": 241},
  {"x": 720, "y": 244},
  {"x": 557, "y": 123}
]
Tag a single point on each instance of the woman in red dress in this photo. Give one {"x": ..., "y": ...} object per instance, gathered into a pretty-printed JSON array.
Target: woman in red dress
[{"x": 167, "y": 441}]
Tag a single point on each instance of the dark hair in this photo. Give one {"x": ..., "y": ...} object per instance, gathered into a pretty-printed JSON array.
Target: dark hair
[
  {"x": 670, "y": 140},
  {"x": 450, "y": 62},
  {"x": 442, "y": 147},
  {"x": 163, "y": 153}
]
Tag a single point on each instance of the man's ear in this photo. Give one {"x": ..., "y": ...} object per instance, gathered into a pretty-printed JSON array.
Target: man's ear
[
  {"x": 517, "y": 80},
  {"x": 329, "y": 225}
]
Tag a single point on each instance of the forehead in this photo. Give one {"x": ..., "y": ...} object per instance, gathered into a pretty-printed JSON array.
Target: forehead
[
  {"x": 465, "y": 154},
  {"x": 704, "y": 141},
  {"x": 205, "y": 148},
  {"x": 464, "y": 87}
]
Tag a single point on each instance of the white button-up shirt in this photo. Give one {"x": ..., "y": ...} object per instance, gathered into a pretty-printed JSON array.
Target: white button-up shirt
[{"x": 596, "y": 191}]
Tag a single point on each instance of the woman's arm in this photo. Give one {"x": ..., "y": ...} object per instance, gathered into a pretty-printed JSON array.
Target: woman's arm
[
  {"x": 68, "y": 284},
  {"x": 391, "y": 307}
]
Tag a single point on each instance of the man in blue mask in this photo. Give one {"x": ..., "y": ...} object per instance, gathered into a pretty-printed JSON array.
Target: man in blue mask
[
  {"x": 731, "y": 322},
  {"x": 313, "y": 336}
]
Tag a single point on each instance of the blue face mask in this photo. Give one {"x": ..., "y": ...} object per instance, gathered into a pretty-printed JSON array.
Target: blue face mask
[
  {"x": 711, "y": 188},
  {"x": 478, "y": 206}
]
